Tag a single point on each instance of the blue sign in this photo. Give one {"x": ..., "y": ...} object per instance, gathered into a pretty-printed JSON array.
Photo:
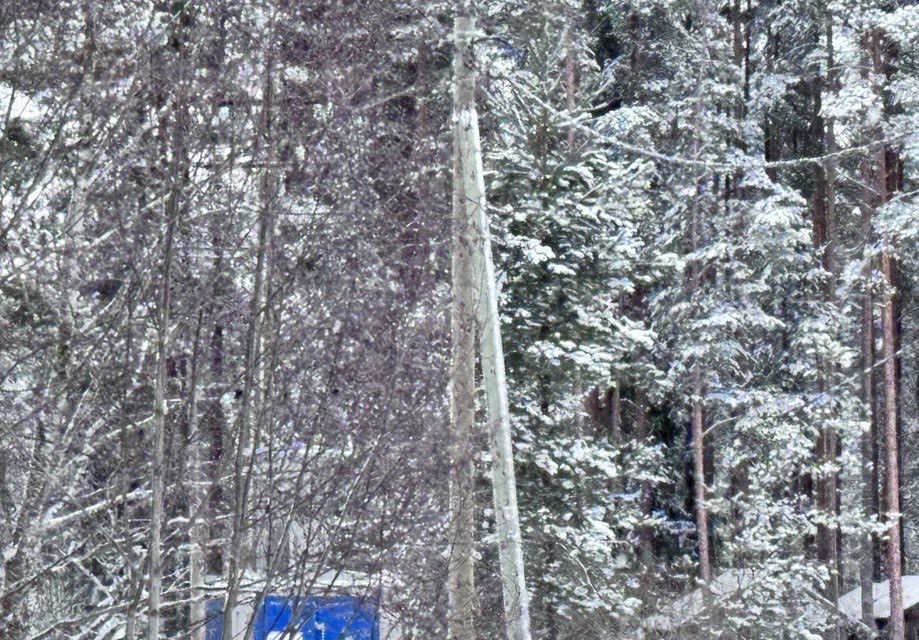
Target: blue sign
[{"x": 312, "y": 618}]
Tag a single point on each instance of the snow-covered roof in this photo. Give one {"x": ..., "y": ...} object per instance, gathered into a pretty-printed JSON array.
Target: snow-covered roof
[
  {"x": 687, "y": 608},
  {"x": 333, "y": 579},
  {"x": 731, "y": 583},
  {"x": 851, "y": 603},
  {"x": 730, "y": 589}
]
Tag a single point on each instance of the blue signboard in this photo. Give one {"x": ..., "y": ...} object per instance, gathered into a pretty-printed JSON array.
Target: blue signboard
[{"x": 312, "y": 618}]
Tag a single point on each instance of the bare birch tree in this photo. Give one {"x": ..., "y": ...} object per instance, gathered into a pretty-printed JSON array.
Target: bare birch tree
[
  {"x": 174, "y": 131},
  {"x": 248, "y": 434}
]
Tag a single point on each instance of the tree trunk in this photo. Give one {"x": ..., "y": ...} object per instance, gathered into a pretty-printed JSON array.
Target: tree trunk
[
  {"x": 17, "y": 535},
  {"x": 157, "y": 471},
  {"x": 461, "y": 567},
  {"x": 866, "y": 569},
  {"x": 197, "y": 487},
  {"x": 614, "y": 401},
  {"x": 693, "y": 284},
  {"x": 872, "y": 169},
  {"x": 895, "y": 625},
  {"x": 133, "y": 573},
  {"x": 698, "y": 476},
  {"x": 868, "y": 565},
  {"x": 643, "y": 434},
  {"x": 570, "y": 90},
  {"x": 832, "y": 449},
  {"x": 892, "y": 466},
  {"x": 826, "y": 479},
  {"x": 894, "y": 172},
  {"x": 248, "y": 429},
  {"x": 174, "y": 203},
  {"x": 510, "y": 544}
]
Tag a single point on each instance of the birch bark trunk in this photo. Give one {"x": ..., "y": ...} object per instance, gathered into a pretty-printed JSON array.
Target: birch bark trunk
[
  {"x": 510, "y": 544},
  {"x": 249, "y": 432},
  {"x": 157, "y": 471},
  {"x": 172, "y": 209},
  {"x": 197, "y": 533},
  {"x": 17, "y": 535}
]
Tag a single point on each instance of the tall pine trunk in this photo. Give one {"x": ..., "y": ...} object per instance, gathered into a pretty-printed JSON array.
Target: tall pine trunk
[
  {"x": 698, "y": 477},
  {"x": 831, "y": 479},
  {"x": 868, "y": 559},
  {"x": 693, "y": 285},
  {"x": 895, "y": 625},
  {"x": 646, "y": 497},
  {"x": 823, "y": 209},
  {"x": 892, "y": 465}
]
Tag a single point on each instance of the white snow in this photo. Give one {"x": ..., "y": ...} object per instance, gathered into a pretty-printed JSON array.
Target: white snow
[
  {"x": 851, "y": 603},
  {"x": 23, "y": 106},
  {"x": 685, "y": 609}
]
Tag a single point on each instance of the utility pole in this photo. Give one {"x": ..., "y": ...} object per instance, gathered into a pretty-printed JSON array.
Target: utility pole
[
  {"x": 461, "y": 597},
  {"x": 510, "y": 543}
]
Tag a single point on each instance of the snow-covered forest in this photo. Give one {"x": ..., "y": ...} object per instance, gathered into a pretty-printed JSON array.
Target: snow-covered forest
[{"x": 414, "y": 319}]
